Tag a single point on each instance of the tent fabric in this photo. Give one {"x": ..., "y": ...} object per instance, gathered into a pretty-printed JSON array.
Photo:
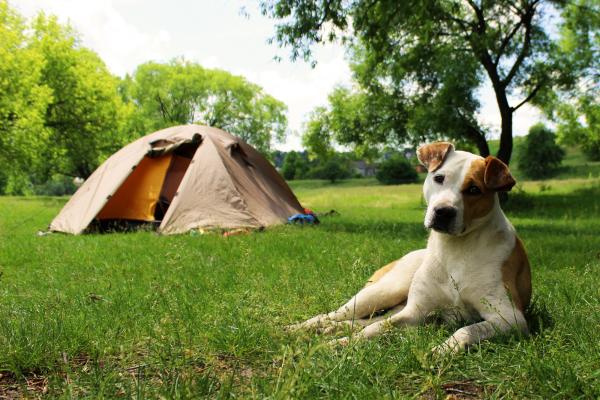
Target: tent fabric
[{"x": 227, "y": 184}]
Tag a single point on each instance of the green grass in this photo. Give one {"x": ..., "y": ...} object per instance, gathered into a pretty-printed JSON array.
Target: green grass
[{"x": 142, "y": 315}]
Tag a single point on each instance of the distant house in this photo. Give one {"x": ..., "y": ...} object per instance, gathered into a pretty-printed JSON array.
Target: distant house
[{"x": 363, "y": 168}]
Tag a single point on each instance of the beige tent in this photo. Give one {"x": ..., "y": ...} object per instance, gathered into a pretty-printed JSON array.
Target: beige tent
[{"x": 183, "y": 177}]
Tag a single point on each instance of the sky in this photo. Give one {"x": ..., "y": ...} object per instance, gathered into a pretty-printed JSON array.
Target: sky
[{"x": 226, "y": 34}]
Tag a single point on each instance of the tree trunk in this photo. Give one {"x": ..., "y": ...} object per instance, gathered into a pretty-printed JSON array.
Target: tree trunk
[
  {"x": 506, "y": 135},
  {"x": 479, "y": 140}
]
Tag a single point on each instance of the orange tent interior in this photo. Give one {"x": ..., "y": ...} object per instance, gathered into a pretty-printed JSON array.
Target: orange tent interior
[
  {"x": 137, "y": 197},
  {"x": 153, "y": 183}
]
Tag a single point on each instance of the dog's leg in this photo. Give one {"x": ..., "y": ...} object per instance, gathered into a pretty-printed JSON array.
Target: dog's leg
[
  {"x": 387, "y": 292},
  {"x": 410, "y": 315},
  {"x": 497, "y": 322},
  {"x": 334, "y": 326}
]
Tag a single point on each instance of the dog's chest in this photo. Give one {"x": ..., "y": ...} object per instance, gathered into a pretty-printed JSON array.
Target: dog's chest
[{"x": 469, "y": 271}]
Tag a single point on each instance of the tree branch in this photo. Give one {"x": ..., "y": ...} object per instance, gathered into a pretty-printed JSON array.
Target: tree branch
[
  {"x": 527, "y": 19},
  {"x": 528, "y": 98},
  {"x": 163, "y": 109},
  {"x": 479, "y": 14},
  {"x": 507, "y": 40}
]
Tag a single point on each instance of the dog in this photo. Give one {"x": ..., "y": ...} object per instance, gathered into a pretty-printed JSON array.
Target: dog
[{"x": 474, "y": 267}]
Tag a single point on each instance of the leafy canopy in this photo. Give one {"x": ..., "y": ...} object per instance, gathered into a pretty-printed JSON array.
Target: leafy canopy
[
  {"x": 577, "y": 113},
  {"x": 62, "y": 113},
  {"x": 182, "y": 92},
  {"x": 421, "y": 62},
  {"x": 23, "y": 102},
  {"x": 85, "y": 117}
]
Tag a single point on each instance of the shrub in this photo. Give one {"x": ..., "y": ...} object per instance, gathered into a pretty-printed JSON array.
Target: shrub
[
  {"x": 591, "y": 148},
  {"x": 57, "y": 185},
  {"x": 294, "y": 166},
  {"x": 333, "y": 170},
  {"x": 396, "y": 170},
  {"x": 539, "y": 156}
]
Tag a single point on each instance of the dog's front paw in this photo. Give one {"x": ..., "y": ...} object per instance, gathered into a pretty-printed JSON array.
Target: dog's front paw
[
  {"x": 450, "y": 346},
  {"x": 314, "y": 324},
  {"x": 345, "y": 341},
  {"x": 294, "y": 327}
]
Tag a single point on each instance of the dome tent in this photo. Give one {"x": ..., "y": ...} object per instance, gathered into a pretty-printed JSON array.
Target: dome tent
[{"x": 182, "y": 178}]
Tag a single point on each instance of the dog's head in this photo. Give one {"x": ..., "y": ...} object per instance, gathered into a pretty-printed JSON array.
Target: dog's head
[{"x": 461, "y": 188}]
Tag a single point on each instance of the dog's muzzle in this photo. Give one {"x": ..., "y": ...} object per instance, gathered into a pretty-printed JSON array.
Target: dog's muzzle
[{"x": 443, "y": 219}]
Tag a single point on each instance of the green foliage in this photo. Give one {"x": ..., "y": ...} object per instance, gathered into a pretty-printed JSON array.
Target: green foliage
[
  {"x": 23, "y": 101},
  {"x": 59, "y": 106},
  {"x": 356, "y": 119},
  {"x": 57, "y": 185},
  {"x": 63, "y": 113},
  {"x": 577, "y": 111},
  {"x": 317, "y": 137},
  {"x": 539, "y": 155},
  {"x": 333, "y": 170},
  {"x": 295, "y": 166},
  {"x": 418, "y": 65},
  {"x": 182, "y": 92},
  {"x": 396, "y": 170},
  {"x": 579, "y": 124},
  {"x": 86, "y": 115}
]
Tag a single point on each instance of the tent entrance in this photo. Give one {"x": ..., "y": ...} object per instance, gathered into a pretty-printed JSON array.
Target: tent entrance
[
  {"x": 145, "y": 196},
  {"x": 180, "y": 161}
]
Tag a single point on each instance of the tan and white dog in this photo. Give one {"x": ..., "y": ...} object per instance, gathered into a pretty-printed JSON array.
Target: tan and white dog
[{"x": 473, "y": 269}]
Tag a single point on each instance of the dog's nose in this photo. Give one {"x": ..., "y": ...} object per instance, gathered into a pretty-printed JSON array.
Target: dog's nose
[
  {"x": 443, "y": 218},
  {"x": 445, "y": 212}
]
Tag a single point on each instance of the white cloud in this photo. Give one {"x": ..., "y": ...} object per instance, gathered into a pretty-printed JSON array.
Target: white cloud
[{"x": 119, "y": 43}]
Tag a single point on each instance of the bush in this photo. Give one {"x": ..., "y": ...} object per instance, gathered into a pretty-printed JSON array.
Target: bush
[
  {"x": 591, "y": 149},
  {"x": 57, "y": 185},
  {"x": 396, "y": 170},
  {"x": 333, "y": 170},
  {"x": 295, "y": 166},
  {"x": 539, "y": 156}
]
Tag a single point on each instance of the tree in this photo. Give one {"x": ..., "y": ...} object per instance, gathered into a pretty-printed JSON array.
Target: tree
[
  {"x": 332, "y": 170},
  {"x": 579, "y": 124},
  {"x": 427, "y": 58},
  {"x": 23, "y": 101},
  {"x": 85, "y": 117},
  {"x": 182, "y": 92},
  {"x": 577, "y": 112},
  {"x": 295, "y": 166},
  {"x": 356, "y": 119},
  {"x": 317, "y": 137},
  {"x": 540, "y": 156},
  {"x": 396, "y": 170}
]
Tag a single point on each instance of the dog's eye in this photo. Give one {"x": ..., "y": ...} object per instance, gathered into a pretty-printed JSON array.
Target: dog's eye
[
  {"x": 473, "y": 190},
  {"x": 439, "y": 179}
]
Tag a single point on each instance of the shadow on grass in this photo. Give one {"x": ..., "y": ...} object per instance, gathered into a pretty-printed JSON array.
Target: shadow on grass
[
  {"x": 588, "y": 169},
  {"x": 377, "y": 228},
  {"x": 555, "y": 231},
  {"x": 538, "y": 317},
  {"x": 577, "y": 203}
]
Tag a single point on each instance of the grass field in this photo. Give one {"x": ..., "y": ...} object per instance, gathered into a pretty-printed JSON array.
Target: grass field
[{"x": 141, "y": 315}]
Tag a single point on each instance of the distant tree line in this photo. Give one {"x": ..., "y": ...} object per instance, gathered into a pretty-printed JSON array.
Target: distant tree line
[
  {"x": 390, "y": 168},
  {"x": 62, "y": 112},
  {"x": 298, "y": 165}
]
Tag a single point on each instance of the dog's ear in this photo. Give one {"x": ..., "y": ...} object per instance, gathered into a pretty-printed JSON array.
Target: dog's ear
[
  {"x": 433, "y": 155},
  {"x": 497, "y": 176}
]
